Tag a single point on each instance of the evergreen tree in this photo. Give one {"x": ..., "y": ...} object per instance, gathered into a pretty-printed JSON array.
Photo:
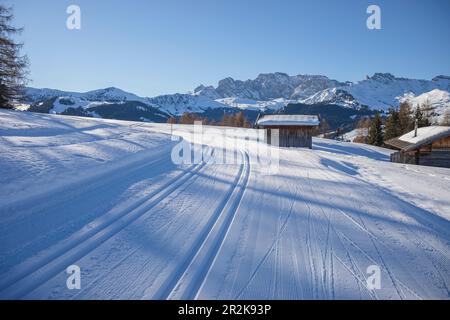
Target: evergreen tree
[
  {"x": 392, "y": 128},
  {"x": 422, "y": 121},
  {"x": 418, "y": 116},
  {"x": 338, "y": 134},
  {"x": 376, "y": 131},
  {"x": 428, "y": 113},
  {"x": 13, "y": 66}
]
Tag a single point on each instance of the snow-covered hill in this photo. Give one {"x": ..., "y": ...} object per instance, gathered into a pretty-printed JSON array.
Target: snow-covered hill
[
  {"x": 106, "y": 196},
  {"x": 110, "y": 94},
  {"x": 437, "y": 99},
  {"x": 177, "y": 104}
]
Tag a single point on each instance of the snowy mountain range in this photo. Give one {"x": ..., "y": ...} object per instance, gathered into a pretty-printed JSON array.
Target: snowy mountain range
[
  {"x": 381, "y": 91},
  {"x": 269, "y": 92}
]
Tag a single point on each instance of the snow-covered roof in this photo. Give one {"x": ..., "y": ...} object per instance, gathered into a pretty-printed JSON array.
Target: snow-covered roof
[
  {"x": 288, "y": 120},
  {"x": 425, "y": 135}
]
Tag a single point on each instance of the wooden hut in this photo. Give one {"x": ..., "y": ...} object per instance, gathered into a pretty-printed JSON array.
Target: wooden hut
[
  {"x": 286, "y": 130},
  {"x": 428, "y": 146}
]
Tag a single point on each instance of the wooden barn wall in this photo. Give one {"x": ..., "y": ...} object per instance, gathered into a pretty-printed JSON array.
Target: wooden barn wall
[
  {"x": 443, "y": 143},
  {"x": 290, "y": 136},
  {"x": 435, "y": 159},
  {"x": 401, "y": 157}
]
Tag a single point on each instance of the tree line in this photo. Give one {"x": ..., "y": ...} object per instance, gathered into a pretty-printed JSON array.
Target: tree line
[
  {"x": 228, "y": 120},
  {"x": 397, "y": 123}
]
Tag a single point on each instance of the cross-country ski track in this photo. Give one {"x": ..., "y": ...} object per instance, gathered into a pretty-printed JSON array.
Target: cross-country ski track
[{"x": 142, "y": 227}]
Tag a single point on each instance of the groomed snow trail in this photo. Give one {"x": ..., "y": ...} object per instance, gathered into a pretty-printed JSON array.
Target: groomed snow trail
[{"x": 106, "y": 196}]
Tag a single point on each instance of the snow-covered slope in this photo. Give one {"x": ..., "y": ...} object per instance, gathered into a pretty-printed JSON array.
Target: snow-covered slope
[
  {"x": 437, "y": 99},
  {"x": 338, "y": 96},
  {"x": 352, "y": 135},
  {"x": 110, "y": 94},
  {"x": 105, "y": 195},
  {"x": 178, "y": 103}
]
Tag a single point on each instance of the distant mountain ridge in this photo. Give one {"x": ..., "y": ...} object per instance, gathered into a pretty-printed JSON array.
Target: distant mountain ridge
[
  {"x": 269, "y": 86},
  {"x": 381, "y": 91},
  {"x": 269, "y": 92}
]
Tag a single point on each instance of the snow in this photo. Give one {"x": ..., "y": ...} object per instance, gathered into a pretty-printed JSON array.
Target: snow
[
  {"x": 63, "y": 103},
  {"x": 288, "y": 120},
  {"x": 425, "y": 134},
  {"x": 437, "y": 99},
  {"x": 383, "y": 91},
  {"x": 106, "y": 94},
  {"x": 351, "y": 135},
  {"x": 105, "y": 195},
  {"x": 248, "y": 104},
  {"x": 177, "y": 104}
]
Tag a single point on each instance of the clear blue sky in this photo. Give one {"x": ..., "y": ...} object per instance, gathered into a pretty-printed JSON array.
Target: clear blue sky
[{"x": 154, "y": 47}]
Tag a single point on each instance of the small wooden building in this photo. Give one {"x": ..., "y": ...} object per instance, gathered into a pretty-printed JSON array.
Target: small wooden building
[
  {"x": 427, "y": 146},
  {"x": 286, "y": 130}
]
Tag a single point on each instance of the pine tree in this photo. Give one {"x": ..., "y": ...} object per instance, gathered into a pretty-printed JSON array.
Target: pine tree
[
  {"x": 422, "y": 121},
  {"x": 13, "y": 66},
  {"x": 392, "y": 128},
  {"x": 418, "y": 115},
  {"x": 428, "y": 112},
  {"x": 376, "y": 131},
  {"x": 339, "y": 133}
]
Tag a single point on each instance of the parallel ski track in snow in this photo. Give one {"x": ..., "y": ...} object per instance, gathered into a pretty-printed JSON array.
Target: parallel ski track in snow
[
  {"x": 397, "y": 283},
  {"x": 271, "y": 249},
  {"x": 99, "y": 176},
  {"x": 30, "y": 276},
  {"x": 72, "y": 192},
  {"x": 187, "y": 280}
]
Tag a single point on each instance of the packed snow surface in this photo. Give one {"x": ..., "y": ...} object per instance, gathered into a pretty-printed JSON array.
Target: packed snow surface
[{"x": 105, "y": 195}]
